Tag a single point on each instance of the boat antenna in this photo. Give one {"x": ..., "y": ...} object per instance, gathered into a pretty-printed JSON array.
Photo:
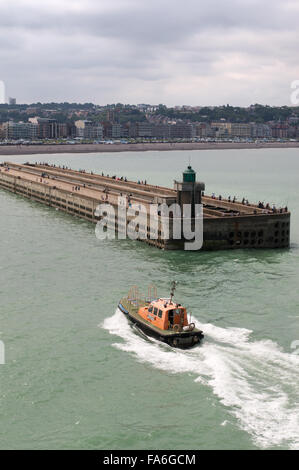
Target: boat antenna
[{"x": 173, "y": 287}]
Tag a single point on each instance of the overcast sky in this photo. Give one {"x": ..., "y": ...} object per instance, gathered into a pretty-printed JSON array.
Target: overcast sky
[{"x": 197, "y": 52}]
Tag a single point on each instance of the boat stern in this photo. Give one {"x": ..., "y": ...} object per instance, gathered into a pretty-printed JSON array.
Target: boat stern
[{"x": 185, "y": 341}]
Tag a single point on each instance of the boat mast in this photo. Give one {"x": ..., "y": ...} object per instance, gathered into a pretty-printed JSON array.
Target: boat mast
[{"x": 174, "y": 283}]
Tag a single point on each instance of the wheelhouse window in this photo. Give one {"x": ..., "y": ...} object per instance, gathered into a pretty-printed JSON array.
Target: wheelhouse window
[
  {"x": 155, "y": 311},
  {"x": 150, "y": 309},
  {"x": 160, "y": 313}
]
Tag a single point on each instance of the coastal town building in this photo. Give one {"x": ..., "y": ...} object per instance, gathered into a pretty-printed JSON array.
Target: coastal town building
[
  {"x": 19, "y": 130},
  {"x": 182, "y": 131},
  {"x": 241, "y": 130},
  {"x": 280, "y": 131},
  {"x": 222, "y": 129},
  {"x": 88, "y": 130},
  {"x": 204, "y": 130},
  {"x": 144, "y": 129},
  {"x": 161, "y": 131},
  {"x": 112, "y": 130},
  {"x": 261, "y": 131},
  {"x": 47, "y": 128}
]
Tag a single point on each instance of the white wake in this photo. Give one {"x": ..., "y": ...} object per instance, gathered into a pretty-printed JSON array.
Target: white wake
[{"x": 255, "y": 379}]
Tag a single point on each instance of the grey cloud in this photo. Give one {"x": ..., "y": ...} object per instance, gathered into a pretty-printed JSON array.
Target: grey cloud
[
  {"x": 126, "y": 41},
  {"x": 156, "y": 21}
]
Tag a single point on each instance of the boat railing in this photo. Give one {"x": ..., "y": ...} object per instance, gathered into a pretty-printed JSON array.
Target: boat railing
[
  {"x": 151, "y": 292},
  {"x": 133, "y": 293},
  {"x": 148, "y": 300},
  {"x": 137, "y": 300},
  {"x": 134, "y": 297}
]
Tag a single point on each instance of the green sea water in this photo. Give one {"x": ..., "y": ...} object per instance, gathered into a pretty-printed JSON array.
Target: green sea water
[{"x": 76, "y": 376}]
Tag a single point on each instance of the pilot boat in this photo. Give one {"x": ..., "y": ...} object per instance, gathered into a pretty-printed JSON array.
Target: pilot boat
[{"x": 160, "y": 318}]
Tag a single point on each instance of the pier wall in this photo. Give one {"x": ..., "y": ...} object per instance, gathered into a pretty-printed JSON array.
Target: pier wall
[
  {"x": 75, "y": 204},
  {"x": 262, "y": 231},
  {"x": 69, "y": 202},
  {"x": 228, "y": 232}
]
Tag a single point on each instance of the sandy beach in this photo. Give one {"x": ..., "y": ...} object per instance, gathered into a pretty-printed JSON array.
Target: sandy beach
[{"x": 139, "y": 147}]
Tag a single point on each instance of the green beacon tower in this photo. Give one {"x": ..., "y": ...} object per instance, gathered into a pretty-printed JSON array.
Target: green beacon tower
[
  {"x": 189, "y": 175},
  {"x": 189, "y": 191}
]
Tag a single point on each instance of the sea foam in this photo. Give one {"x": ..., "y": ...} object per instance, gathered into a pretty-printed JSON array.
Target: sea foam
[{"x": 255, "y": 380}]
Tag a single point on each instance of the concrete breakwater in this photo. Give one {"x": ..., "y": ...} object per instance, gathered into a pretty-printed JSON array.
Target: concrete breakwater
[{"x": 226, "y": 224}]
